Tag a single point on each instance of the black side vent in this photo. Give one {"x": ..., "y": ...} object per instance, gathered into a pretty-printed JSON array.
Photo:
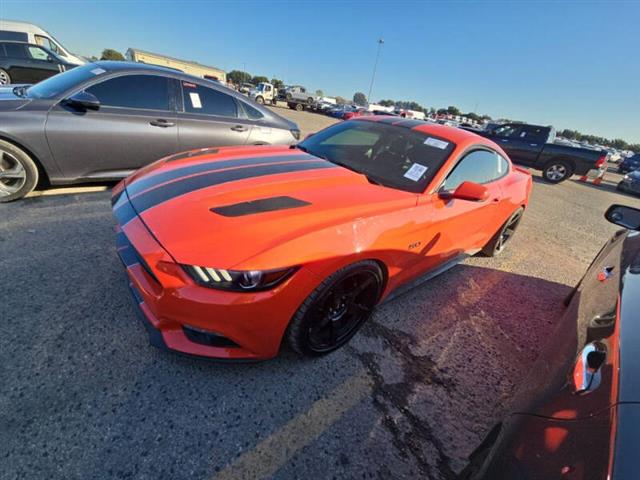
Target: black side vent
[{"x": 259, "y": 206}]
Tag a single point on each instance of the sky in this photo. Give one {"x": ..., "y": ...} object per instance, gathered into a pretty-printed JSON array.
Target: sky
[{"x": 568, "y": 64}]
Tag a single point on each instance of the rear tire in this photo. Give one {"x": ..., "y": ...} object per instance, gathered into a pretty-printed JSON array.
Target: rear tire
[
  {"x": 332, "y": 314},
  {"x": 274, "y": 102},
  {"x": 557, "y": 171},
  {"x": 499, "y": 241},
  {"x": 299, "y": 107},
  {"x": 18, "y": 172},
  {"x": 5, "y": 78}
]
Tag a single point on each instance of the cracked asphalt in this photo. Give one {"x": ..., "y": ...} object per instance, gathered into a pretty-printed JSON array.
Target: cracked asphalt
[{"x": 82, "y": 394}]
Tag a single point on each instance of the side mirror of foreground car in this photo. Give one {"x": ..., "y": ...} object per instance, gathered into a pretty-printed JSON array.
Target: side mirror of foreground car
[
  {"x": 83, "y": 101},
  {"x": 627, "y": 217},
  {"x": 471, "y": 191}
]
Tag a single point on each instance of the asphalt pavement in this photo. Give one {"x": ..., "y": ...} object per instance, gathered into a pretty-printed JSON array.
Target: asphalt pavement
[{"x": 83, "y": 395}]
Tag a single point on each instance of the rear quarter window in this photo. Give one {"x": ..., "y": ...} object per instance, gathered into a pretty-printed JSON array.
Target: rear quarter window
[{"x": 14, "y": 36}]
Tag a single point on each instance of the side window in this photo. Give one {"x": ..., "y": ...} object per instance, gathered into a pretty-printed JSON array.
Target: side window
[
  {"x": 16, "y": 50},
  {"x": 149, "y": 92},
  {"x": 479, "y": 166},
  {"x": 205, "y": 100},
  {"x": 37, "y": 53},
  {"x": 533, "y": 134},
  {"x": 252, "y": 113},
  {"x": 15, "y": 36},
  {"x": 506, "y": 131}
]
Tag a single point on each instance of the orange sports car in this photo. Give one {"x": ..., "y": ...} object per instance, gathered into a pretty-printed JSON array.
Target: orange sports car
[{"x": 230, "y": 250}]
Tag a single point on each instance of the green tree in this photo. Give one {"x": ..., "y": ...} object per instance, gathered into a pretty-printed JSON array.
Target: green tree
[
  {"x": 442, "y": 111},
  {"x": 360, "y": 99},
  {"x": 277, "y": 83},
  {"x": 451, "y": 110},
  {"x": 319, "y": 93},
  {"x": 259, "y": 78},
  {"x": 111, "y": 54},
  {"x": 387, "y": 103},
  {"x": 341, "y": 100},
  {"x": 238, "y": 77}
]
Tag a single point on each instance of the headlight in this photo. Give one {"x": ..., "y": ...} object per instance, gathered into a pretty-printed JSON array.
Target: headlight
[{"x": 238, "y": 280}]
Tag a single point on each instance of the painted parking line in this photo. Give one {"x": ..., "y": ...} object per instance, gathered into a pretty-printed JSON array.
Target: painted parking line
[
  {"x": 66, "y": 191},
  {"x": 279, "y": 447}
]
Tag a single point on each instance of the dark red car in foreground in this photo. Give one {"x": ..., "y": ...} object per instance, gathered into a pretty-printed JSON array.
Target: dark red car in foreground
[{"x": 577, "y": 416}]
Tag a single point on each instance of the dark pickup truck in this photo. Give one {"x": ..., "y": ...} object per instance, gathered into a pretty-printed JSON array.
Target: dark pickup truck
[{"x": 532, "y": 146}]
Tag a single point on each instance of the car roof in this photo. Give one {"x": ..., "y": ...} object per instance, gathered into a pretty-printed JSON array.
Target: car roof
[{"x": 453, "y": 134}]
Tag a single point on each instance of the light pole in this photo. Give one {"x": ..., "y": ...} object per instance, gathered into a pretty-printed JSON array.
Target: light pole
[{"x": 375, "y": 66}]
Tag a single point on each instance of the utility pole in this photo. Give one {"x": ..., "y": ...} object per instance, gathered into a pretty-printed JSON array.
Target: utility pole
[{"x": 375, "y": 66}]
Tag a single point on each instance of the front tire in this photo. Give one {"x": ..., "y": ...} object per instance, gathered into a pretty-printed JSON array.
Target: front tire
[
  {"x": 336, "y": 309},
  {"x": 499, "y": 241},
  {"x": 18, "y": 172},
  {"x": 260, "y": 100},
  {"x": 557, "y": 171},
  {"x": 5, "y": 79}
]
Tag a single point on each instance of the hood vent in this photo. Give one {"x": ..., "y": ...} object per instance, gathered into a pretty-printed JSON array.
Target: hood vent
[{"x": 259, "y": 206}]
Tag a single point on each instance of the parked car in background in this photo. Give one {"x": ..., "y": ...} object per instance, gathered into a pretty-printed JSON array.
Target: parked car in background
[
  {"x": 630, "y": 183},
  {"x": 533, "y": 146},
  {"x": 30, "y": 33},
  {"x": 577, "y": 415},
  {"x": 629, "y": 164},
  {"x": 246, "y": 88},
  {"x": 28, "y": 63},
  {"x": 231, "y": 254},
  {"x": 103, "y": 120},
  {"x": 356, "y": 112}
]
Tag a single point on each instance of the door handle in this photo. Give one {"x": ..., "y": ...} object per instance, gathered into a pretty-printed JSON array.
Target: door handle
[
  {"x": 161, "y": 123},
  {"x": 533, "y": 144},
  {"x": 504, "y": 140},
  {"x": 586, "y": 371},
  {"x": 239, "y": 128}
]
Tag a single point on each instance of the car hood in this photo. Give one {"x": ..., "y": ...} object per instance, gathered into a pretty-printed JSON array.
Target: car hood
[
  {"x": 9, "y": 101},
  {"x": 220, "y": 207}
]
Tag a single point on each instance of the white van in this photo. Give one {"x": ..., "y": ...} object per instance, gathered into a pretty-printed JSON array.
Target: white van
[{"x": 27, "y": 32}]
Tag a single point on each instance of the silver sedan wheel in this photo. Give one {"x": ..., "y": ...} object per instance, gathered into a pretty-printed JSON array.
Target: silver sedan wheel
[
  {"x": 13, "y": 176},
  {"x": 556, "y": 172},
  {"x": 4, "y": 78}
]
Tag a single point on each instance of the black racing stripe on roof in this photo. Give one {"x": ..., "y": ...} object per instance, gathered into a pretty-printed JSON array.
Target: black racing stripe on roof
[
  {"x": 390, "y": 120},
  {"x": 145, "y": 183},
  {"x": 262, "y": 205},
  {"x": 124, "y": 213},
  {"x": 178, "y": 188},
  {"x": 410, "y": 123},
  {"x": 116, "y": 197}
]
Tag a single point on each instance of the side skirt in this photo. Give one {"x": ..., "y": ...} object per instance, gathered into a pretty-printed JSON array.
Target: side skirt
[{"x": 416, "y": 282}]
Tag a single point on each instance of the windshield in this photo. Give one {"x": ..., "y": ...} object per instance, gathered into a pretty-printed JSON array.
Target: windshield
[
  {"x": 392, "y": 156},
  {"x": 54, "y": 86}
]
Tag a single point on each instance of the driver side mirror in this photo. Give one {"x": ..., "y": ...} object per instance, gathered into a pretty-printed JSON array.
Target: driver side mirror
[
  {"x": 627, "y": 217},
  {"x": 473, "y": 192},
  {"x": 83, "y": 101}
]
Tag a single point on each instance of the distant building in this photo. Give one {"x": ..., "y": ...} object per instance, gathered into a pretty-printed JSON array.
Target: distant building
[{"x": 192, "y": 68}]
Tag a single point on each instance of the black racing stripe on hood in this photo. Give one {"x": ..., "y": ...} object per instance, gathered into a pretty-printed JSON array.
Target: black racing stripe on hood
[
  {"x": 190, "y": 184},
  {"x": 124, "y": 213},
  {"x": 262, "y": 205},
  {"x": 145, "y": 183}
]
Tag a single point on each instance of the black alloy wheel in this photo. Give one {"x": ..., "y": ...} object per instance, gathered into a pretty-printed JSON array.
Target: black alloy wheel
[
  {"x": 500, "y": 240},
  {"x": 336, "y": 309}
]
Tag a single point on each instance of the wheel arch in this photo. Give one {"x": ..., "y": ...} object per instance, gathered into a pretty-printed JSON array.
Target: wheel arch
[
  {"x": 43, "y": 176},
  {"x": 561, "y": 158}
]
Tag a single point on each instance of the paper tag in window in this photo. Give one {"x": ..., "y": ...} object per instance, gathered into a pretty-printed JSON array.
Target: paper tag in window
[
  {"x": 434, "y": 142},
  {"x": 195, "y": 100},
  {"x": 98, "y": 71},
  {"x": 415, "y": 172}
]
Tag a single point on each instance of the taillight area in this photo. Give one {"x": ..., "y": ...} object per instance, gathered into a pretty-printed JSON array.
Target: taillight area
[{"x": 601, "y": 161}]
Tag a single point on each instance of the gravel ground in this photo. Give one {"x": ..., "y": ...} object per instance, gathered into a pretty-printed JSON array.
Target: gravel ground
[{"x": 84, "y": 396}]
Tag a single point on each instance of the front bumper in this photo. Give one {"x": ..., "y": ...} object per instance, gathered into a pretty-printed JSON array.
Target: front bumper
[{"x": 191, "y": 319}]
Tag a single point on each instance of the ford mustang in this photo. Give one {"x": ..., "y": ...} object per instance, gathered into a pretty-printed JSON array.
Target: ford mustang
[{"x": 231, "y": 250}]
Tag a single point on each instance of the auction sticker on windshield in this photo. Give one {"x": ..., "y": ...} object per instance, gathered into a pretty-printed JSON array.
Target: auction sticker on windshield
[
  {"x": 434, "y": 142},
  {"x": 415, "y": 172}
]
